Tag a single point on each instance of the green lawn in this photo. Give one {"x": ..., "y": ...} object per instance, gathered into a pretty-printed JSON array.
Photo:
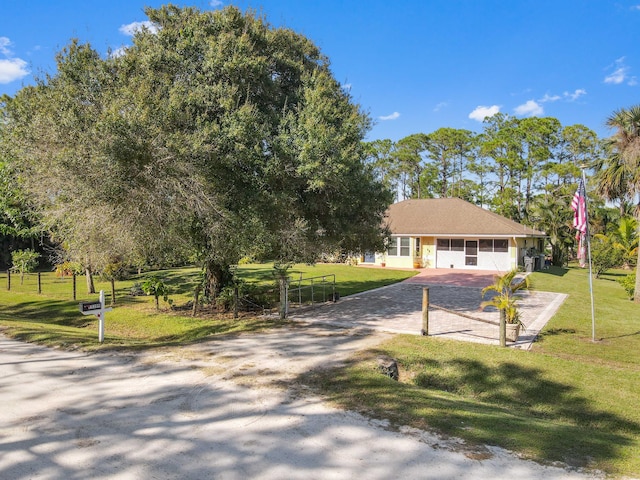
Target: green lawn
[
  {"x": 568, "y": 399},
  {"x": 53, "y": 317}
]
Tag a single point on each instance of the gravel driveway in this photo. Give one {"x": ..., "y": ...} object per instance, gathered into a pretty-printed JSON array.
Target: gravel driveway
[{"x": 221, "y": 409}]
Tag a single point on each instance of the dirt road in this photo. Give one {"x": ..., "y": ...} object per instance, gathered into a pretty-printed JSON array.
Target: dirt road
[{"x": 220, "y": 409}]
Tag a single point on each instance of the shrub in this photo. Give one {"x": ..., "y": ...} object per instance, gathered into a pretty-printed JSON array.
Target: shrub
[
  {"x": 66, "y": 269},
  {"x": 24, "y": 261},
  {"x": 604, "y": 256},
  {"x": 155, "y": 286},
  {"x": 629, "y": 284}
]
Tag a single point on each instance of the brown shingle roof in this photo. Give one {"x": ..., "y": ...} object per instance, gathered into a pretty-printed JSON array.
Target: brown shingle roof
[{"x": 451, "y": 216}]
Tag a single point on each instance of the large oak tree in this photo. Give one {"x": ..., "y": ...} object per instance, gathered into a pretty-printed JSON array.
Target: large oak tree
[{"x": 215, "y": 134}]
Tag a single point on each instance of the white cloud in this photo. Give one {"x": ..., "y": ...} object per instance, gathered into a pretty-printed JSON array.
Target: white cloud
[
  {"x": 619, "y": 74},
  {"x": 216, "y": 3},
  {"x": 440, "y": 106},
  {"x": 481, "y": 112},
  {"x": 577, "y": 93},
  {"x": 568, "y": 96},
  {"x": 529, "y": 109},
  {"x": 393, "y": 116},
  {"x": 118, "y": 52},
  {"x": 134, "y": 27},
  {"x": 549, "y": 98},
  {"x": 11, "y": 69},
  {"x": 4, "y": 46}
]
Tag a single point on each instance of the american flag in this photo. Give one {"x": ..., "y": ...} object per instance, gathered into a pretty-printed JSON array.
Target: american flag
[{"x": 579, "y": 207}]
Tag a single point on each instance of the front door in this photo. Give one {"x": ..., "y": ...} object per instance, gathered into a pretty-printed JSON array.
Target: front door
[{"x": 471, "y": 253}]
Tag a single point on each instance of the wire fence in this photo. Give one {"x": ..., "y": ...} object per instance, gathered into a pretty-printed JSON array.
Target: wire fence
[
  {"x": 307, "y": 291},
  {"x": 68, "y": 287}
]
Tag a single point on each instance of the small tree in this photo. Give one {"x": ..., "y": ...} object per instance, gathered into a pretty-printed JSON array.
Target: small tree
[
  {"x": 604, "y": 255},
  {"x": 156, "y": 287},
  {"x": 24, "y": 261},
  {"x": 628, "y": 282},
  {"x": 505, "y": 286}
]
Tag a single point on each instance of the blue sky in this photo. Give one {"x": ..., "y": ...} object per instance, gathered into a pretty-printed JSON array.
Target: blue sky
[{"x": 414, "y": 66}]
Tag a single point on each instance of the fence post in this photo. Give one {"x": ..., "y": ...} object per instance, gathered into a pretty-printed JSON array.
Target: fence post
[
  {"x": 235, "y": 302},
  {"x": 39, "y": 283},
  {"x": 9, "y": 280},
  {"x": 324, "y": 293},
  {"x": 333, "y": 288},
  {"x": 284, "y": 296},
  {"x": 74, "y": 286},
  {"x": 425, "y": 311},
  {"x": 503, "y": 328},
  {"x": 300, "y": 290},
  {"x": 113, "y": 291}
]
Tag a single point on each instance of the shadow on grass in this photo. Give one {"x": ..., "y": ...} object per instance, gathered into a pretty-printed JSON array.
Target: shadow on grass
[
  {"x": 45, "y": 311},
  {"x": 555, "y": 271},
  {"x": 509, "y": 405}
]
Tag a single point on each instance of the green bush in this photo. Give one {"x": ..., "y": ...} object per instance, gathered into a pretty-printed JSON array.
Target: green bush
[
  {"x": 155, "y": 286},
  {"x": 24, "y": 261},
  {"x": 629, "y": 284}
]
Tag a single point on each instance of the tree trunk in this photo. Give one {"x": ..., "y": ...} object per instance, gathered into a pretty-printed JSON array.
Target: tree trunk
[
  {"x": 196, "y": 298},
  {"x": 217, "y": 277},
  {"x": 90, "y": 287},
  {"x": 636, "y": 294},
  {"x": 113, "y": 291}
]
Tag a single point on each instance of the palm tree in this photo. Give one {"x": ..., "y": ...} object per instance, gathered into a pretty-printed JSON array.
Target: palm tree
[
  {"x": 626, "y": 239},
  {"x": 623, "y": 166},
  {"x": 505, "y": 286}
]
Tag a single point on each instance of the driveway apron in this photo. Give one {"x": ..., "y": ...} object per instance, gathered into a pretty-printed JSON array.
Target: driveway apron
[{"x": 398, "y": 308}]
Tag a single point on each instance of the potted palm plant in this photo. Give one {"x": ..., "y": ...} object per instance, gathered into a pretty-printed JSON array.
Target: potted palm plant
[{"x": 506, "y": 301}]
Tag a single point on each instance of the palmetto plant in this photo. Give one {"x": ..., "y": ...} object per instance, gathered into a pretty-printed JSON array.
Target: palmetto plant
[
  {"x": 619, "y": 177},
  {"x": 625, "y": 238},
  {"x": 505, "y": 299}
]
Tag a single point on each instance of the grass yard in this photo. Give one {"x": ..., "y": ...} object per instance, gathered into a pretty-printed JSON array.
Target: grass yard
[
  {"x": 52, "y": 317},
  {"x": 569, "y": 399}
]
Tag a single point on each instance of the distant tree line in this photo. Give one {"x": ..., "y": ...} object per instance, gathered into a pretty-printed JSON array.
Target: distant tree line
[{"x": 527, "y": 170}]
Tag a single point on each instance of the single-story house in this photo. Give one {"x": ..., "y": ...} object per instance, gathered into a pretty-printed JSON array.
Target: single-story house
[{"x": 453, "y": 233}]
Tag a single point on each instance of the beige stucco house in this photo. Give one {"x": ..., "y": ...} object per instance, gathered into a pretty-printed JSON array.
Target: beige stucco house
[{"x": 453, "y": 233}]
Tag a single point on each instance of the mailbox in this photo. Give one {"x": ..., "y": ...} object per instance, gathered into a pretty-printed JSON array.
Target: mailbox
[{"x": 88, "y": 308}]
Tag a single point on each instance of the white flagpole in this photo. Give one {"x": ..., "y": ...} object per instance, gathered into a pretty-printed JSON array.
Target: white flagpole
[{"x": 588, "y": 235}]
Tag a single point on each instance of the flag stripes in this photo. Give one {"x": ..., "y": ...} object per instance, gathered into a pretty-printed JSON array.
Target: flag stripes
[{"x": 579, "y": 207}]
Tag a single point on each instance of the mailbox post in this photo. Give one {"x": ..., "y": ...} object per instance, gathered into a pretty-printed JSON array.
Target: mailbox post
[{"x": 98, "y": 309}]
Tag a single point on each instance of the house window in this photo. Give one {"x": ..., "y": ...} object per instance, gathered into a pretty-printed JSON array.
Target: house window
[
  {"x": 393, "y": 247},
  {"x": 417, "y": 246},
  {"x": 443, "y": 244},
  {"x": 405, "y": 246},
  {"x": 500, "y": 245},
  {"x": 400, "y": 246},
  {"x": 457, "y": 244},
  {"x": 486, "y": 245}
]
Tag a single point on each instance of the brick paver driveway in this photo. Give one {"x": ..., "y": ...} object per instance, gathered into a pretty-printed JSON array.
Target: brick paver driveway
[{"x": 398, "y": 308}]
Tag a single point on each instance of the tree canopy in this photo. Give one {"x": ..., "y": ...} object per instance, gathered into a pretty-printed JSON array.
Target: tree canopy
[{"x": 215, "y": 135}]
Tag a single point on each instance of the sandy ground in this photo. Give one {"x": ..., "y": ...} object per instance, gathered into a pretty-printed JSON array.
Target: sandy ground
[{"x": 221, "y": 409}]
